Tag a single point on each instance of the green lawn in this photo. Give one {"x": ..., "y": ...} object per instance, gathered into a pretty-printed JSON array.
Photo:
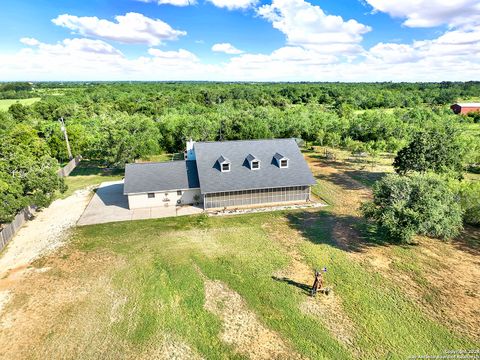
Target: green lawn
[
  {"x": 6, "y": 103},
  {"x": 89, "y": 174},
  {"x": 156, "y": 270}
]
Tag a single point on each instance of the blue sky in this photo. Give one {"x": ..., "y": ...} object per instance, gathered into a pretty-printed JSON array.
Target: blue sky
[{"x": 275, "y": 40}]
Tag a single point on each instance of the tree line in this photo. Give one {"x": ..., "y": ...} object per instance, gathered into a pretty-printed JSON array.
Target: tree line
[{"x": 116, "y": 123}]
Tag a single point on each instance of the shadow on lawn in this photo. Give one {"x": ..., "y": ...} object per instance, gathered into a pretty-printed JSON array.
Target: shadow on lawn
[
  {"x": 468, "y": 240},
  {"x": 304, "y": 287},
  {"x": 340, "y": 179},
  {"x": 87, "y": 168},
  {"x": 345, "y": 232}
]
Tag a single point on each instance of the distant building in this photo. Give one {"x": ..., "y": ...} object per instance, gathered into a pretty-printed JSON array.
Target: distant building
[
  {"x": 223, "y": 174},
  {"x": 465, "y": 108}
]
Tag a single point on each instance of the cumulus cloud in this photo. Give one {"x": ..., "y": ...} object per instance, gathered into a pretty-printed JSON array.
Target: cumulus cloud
[
  {"x": 233, "y": 4},
  {"x": 131, "y": 28},
  {"x": 76, "y": 46},
  {"x": 430, "y": 13},
  {"x": 308, "y": 26},
  {"x": 226, "y": 48},
  {"x": 29, "y": 41},
  {"x": 171, "y": 2},
  {"x": 181, "y": 55}
]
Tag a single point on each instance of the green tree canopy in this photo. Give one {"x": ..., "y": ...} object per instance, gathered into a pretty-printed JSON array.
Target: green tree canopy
[
  {"x": 434, "y": 150},
  {"x": 418, "y": 204}
]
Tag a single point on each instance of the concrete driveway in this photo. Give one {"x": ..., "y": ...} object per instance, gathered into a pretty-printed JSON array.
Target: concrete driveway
[{"x": 108, "y": 204}]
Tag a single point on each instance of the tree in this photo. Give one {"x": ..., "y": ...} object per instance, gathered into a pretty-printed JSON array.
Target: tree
[
  {"x": 28, "y": 175},
  {"x": 433, "y": 150},
  {"x": 470, "y": 200},
  {"x": 418, "y": 204}
]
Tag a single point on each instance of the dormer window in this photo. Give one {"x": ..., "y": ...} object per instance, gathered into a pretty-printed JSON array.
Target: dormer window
[
  {"x": 281, "y": 160},
  {"x": 224, "y": 164},
  {"x": 253, "y": 162}
]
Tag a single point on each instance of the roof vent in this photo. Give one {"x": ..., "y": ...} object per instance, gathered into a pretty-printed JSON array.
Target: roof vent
[
  {"x": 253, "y": 162},
  {"x": 282, "y": 161},
  {"x": 224, "y": 164}
]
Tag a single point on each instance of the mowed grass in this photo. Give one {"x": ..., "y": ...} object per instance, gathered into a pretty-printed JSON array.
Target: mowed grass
[
  {"x": 164, "y": 264},
  {"x": 89, "y": 174},
  {"x": 6, "y": 103}
]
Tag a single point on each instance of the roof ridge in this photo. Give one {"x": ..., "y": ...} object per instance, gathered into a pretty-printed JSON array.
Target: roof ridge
[{"x": 249, "y": 140}]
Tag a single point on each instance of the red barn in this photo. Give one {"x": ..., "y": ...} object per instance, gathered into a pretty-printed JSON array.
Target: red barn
[{"x": 465, "y": 108}]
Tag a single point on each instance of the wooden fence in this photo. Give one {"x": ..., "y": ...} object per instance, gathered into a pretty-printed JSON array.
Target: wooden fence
[
  {"x": 9, "y": 231},
  {"x": 67, "y": 169}
]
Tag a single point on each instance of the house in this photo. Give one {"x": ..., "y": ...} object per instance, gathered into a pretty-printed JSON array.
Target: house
[
  {"x": 465, "y": 108},
  {"x": 223, "y": 174}
]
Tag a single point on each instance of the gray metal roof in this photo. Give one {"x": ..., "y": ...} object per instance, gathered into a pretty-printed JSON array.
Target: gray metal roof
[
  {"x": 240, "y": 176},
  {"x": 153, "y": 177}
]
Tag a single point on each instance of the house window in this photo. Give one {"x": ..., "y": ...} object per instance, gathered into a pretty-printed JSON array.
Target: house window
[
  {"x": 151, "y": 195},
  {"x": 225, "y": 167},
  {"x": 179, "y": 192},
  {"x": 283, "y": 163},
  {"x": 255, "y": 165}
]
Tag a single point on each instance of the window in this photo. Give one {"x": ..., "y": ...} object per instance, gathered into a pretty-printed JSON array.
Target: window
[
  {"x": 255, "y": 165},
  {"x": 151, "y": 195},
  {"x": 179, "y": 192},
  {"x": 225, "y": 167},
  {"x": 283, "y": 163}
]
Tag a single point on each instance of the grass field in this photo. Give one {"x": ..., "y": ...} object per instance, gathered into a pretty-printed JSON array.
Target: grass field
[
  {"x": 89, "y": 174},
  {"x": 6, "y": 103},
  {"x": 237, "y": 287}
]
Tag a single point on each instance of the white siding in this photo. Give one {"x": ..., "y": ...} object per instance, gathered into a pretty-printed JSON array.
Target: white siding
[{"x": 163, "y": 198}]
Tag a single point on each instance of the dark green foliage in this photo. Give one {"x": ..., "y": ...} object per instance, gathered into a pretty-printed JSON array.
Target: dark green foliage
[
  {"x": 421, "y": 204},
  {"x": 28, "y": 175},
  {"x": 470, "y": 200},
  {"x": 434, "y": 150}
]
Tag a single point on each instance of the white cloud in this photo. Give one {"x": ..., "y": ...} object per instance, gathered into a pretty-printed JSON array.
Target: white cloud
[
  {"x": 459, "y": 44},
  {"x": 76, "y": 46},
  {"x": 308, "y": 26},
  {"x": 429, "y": 13},
  {"x": 131, "y": 28},
  {"x": 233, "y": 4},
  {"x": 171, "y": 2},
  {"x": 226, "y": 48},
  {"x": 454, "y": 55},
  {"x": 181, "y": 55},
  {"x": 29, "y": 41}
]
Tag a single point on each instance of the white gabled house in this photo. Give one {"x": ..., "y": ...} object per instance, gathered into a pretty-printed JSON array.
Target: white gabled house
[{"x": 223, "y": 174}]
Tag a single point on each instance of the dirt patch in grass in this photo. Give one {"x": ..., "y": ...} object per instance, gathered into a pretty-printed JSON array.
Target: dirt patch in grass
[
  {"x": 455, "y": 275},
  {"x": 170, "y": 348},
  {"x": 241, "y": 328},
  {"x": 328, "y": 309},
  {"x": 61, "y": 312}
]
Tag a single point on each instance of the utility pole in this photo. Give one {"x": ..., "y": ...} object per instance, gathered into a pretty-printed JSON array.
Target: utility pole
[{"x": 64, "y": 130}]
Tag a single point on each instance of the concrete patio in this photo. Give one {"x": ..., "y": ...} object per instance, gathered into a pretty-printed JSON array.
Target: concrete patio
[{"x": 108, "y": 204}]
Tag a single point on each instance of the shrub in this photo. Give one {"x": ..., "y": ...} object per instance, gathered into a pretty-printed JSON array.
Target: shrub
[
  {"x": 418, "y": 204},
  {"x": 470, "y": 201}
]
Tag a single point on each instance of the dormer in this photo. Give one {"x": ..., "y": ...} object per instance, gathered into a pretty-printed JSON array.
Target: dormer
[
  {"x": 253, "y": 162},
  {"x": 224, "y": 164},
  {"x": 282, "y": 161}
]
